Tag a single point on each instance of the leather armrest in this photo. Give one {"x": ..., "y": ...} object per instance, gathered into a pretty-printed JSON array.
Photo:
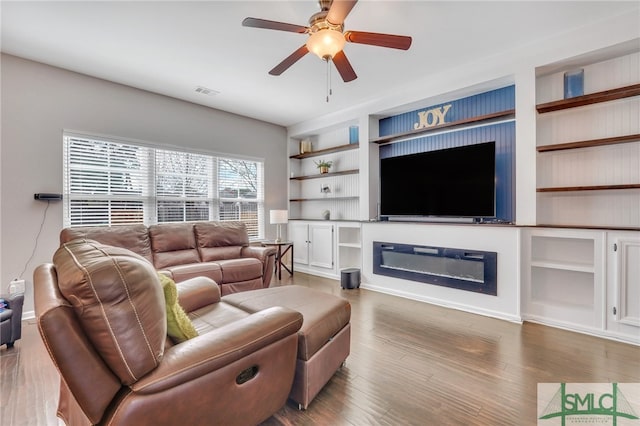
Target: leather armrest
[
  {"x": 259, "y": 252},
  {"x": 266, "y": 255},
  {"x": 209, "y": 352},
  {"x": 197, "y": 292}
]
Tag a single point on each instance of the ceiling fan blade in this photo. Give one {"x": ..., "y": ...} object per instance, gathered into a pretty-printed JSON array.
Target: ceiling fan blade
[
  {"x": 377, "y": 39},
  {"x": 273, "y": 25},
  {"x": 289, "y": 60},
  {"x": 344, "y": 67},
  {"x": 339, "y": 10}
]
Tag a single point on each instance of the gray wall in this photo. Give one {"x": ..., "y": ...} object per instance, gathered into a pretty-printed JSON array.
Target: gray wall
[{"x": 40, "y": 101}]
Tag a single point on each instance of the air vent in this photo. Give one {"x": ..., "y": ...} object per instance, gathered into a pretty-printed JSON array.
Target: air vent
[{"x": 205, "y": 91}]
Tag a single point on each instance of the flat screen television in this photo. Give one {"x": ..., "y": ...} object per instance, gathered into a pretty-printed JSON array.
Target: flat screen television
[{"x": 452, "y": 183}]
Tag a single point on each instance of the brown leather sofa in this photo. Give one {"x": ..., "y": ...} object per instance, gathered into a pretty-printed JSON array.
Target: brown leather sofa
[
  {"x": 218, "y": 250},
  {"x": 101, "y": 313}
]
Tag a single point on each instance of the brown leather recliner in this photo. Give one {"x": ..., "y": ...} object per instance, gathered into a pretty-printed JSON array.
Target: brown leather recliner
[{"x": 101, "y": 313}]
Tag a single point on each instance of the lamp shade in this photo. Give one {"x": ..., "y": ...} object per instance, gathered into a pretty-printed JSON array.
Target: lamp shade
[
  {"x": 326, "y": 42},
  {"x": 278, "y": 216}
]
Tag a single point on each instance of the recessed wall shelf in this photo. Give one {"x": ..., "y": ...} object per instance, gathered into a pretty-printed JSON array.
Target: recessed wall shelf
[
  {"x": 592, "y": 98},
  {"x": 577, "y": 184},
  {"x": 326, "y": 151},
  {"x": 496, "y": 116},
  {"x": 564, "y": 277},
  {"x": 338, "y": 193},
  {"x": 324, "y": 175},
  {"x": 589, "y": 143}
]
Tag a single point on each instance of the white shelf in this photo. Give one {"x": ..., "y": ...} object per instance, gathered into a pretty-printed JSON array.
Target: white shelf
[
  {"x": 352, "y": 245},
  {"x": 354, "y": 266},
  {"x": 575, "y": 267},
  {"x": 547, "y": 304}
]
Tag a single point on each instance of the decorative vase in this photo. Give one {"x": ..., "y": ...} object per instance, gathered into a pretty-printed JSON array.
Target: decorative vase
[
  {"x": 324, "y": 169},
  {"x": 573, "y": 83},
  {"x": 353, "y": 134},
  {"x": 326, "y": 215}
]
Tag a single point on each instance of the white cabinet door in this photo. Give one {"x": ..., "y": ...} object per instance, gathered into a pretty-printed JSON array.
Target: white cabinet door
[
  {"x": 623, "y": 284},
  {"x": 321, "y": 245},
  {"x": 299, "y": 234}
]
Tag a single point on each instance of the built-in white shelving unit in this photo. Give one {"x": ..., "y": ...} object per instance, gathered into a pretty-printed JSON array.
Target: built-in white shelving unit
[
  {"x": 307, "y": 199},
  {"x": 576, "y": 268},
  {"x": 575, "y": 263},
  {"x": 566, "y": 275},
  {"x": 589, "y": 146},
  {"x": 349, "y": 245},
  {"x": 327, "y": 245}
]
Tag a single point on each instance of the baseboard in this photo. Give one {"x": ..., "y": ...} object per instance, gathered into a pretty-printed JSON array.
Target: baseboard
[
  {"x": 28, "y": 315},
  {"x": 446, "y": 304},
  {"x": 304, "y": 270},
  {"x": 582, "y": 330}
]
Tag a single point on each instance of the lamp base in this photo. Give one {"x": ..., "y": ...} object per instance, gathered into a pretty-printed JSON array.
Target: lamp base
[{"x": 278, "y": 239}]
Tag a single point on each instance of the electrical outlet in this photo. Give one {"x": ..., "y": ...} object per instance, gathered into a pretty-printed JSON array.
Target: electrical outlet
[{"x": 16, "y": 286}]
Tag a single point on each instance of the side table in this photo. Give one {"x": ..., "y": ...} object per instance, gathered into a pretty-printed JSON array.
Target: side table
[{"x": 281, "y": 249}]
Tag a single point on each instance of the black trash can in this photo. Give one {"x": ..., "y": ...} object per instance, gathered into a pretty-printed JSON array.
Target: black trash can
[{"x": 350, "y": 278}]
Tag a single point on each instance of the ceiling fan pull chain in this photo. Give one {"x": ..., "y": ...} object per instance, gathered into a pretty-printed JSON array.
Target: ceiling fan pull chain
[{"x": 328, "y": 80}]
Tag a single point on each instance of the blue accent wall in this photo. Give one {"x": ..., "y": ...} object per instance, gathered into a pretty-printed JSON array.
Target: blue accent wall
[
  {"x": 503, "y": 133},
  {"x": 473, "y": 106}
]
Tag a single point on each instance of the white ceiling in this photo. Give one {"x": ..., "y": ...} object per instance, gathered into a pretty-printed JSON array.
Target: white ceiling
[{"x": 171, "y": 47}]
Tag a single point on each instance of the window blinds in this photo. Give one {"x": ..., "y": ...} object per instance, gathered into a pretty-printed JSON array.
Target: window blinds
[
  {"x": 112, "y": 183},
  {"x": 183, "y": 186},
  {"x": 105, "y": 183}
]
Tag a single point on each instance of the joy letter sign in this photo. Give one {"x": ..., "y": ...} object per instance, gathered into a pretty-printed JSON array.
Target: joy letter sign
[{"x": 432, "y": 117}]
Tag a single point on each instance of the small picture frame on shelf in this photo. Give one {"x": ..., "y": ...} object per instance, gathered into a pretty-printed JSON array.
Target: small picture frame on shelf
[{"x": 573, "y": 83}]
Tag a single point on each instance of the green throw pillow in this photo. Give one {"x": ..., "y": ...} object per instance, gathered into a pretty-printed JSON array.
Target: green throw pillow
[{"x": 179, "y": 326}]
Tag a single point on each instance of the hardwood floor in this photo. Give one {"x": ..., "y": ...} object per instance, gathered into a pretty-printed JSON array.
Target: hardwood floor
[{"x": 411, "y": 363}]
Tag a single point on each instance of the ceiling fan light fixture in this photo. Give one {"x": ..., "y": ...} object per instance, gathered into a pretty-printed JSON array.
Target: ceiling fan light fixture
[
  {"x": 326, "y": 38},
  {"x": 326, "y": 42}
]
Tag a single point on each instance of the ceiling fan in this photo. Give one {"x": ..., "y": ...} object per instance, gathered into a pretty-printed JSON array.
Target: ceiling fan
[{"x": 327, "y": 37}]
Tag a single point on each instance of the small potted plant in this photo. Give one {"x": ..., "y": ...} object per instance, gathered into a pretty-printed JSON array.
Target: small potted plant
[{"x": 323, "y": 165}]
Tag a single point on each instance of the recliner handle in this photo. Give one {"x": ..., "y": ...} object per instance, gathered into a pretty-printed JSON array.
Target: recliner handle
[{"x": 247, "y": 374}]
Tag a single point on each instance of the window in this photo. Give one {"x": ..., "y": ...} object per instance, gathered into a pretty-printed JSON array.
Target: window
[
  {"x": 183, "y": 186},
  {"x": 109, "y": 182}
]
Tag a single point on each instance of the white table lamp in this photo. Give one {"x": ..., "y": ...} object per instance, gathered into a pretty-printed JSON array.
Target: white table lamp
[{"x": 278, "y": 217}]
